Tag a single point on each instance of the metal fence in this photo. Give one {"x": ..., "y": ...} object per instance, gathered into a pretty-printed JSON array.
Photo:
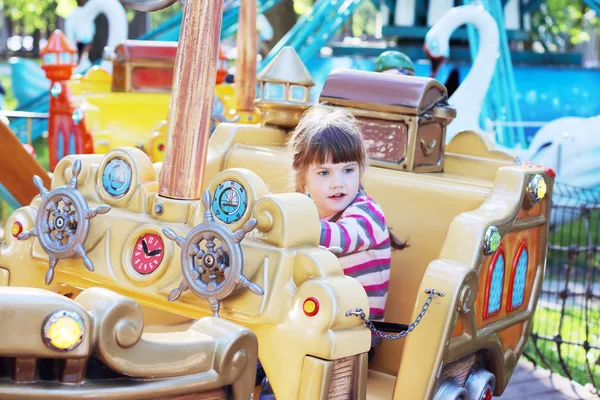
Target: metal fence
[
  {"x": 566, "y": 328},
  {"x": 25, "y": 126}
]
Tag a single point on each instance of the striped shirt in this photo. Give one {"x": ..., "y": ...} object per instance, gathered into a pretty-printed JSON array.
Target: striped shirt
[{"x": 362, "y": 233}]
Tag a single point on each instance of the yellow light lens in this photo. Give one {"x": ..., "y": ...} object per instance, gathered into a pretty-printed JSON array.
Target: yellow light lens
[
  {"x": 541, "y": 189},
  {"x": 311, "y": 307},
  {"x": 64, "y": 333},
  {"x": 16, "y": 229}
]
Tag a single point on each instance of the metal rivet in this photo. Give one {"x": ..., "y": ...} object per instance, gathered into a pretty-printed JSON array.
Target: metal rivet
[
  {"x": 159, "y": 209},
  {"x": 537, "y": 188},
  {"x": 56, "y": 89},
  {"x": 77, "y": 115},
  {"x": 491, "y": 241}
]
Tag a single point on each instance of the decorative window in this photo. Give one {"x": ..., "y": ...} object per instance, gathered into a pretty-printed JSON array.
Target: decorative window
[
  {"x": 495, "y": 284},
  {"x": 60, "y": 139},
  {"x": 72, "y": 143},
  {"x": 66, "y": 58},
  {"x": 518, "y": 278},
  {"x": 50, "y": 59},
  {"x": 297, "y": 94},
  {"x": 273, "y": 91}
]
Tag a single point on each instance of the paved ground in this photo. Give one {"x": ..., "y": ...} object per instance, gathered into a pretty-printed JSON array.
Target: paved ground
[{"x": 529, "y": 382}]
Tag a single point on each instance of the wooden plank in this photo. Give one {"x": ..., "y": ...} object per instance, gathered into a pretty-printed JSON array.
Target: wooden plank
[
  {"x": 344, "y": 371},
  {"x": 17, "y": 167}
]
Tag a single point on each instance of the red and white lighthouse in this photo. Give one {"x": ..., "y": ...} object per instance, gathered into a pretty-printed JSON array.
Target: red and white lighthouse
[{"x": 66, "y": 126}]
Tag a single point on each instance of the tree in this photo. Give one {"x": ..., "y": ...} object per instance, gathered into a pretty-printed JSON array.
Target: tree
[
  {"x": 35, "y": 17},
  {"x": 282, "y": 17},
  {"x": 564, "y": 23}
]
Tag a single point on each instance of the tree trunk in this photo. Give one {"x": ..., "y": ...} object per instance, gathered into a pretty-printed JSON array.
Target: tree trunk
[
  {"x": 37, "y": 35},
  {"x": 139, "y": 25},
  {"x": 100, "y": 38},
  {"x": 3, "y": 32},
  {"x": 282, "y": 17}
]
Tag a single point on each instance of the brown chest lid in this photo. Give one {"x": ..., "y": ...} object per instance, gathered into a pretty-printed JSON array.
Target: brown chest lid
[{"x": 377, "y": 91}]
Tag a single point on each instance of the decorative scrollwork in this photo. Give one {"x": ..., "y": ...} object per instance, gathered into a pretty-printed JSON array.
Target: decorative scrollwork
[
  {"x": 62, "y": 223},
  {"x": 214, "y": 271}
]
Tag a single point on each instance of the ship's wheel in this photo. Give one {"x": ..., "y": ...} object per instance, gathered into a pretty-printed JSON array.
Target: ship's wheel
[
  {"x": 62, "y": 223},
  {"x": 211, "y": 259}
]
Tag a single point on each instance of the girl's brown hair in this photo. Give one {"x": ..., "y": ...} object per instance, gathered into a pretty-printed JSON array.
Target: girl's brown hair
[
  {"x": 326, "y": 134},
  {"x": 329, "y": 134}
]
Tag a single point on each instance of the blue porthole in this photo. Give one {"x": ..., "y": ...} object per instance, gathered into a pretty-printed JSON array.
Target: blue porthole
[
  {"x": 116, "y": 177},
  {"x": 229, "y": 201},
  {"x": 496, "y": 285},
  {"x": 519, "y": 280}
]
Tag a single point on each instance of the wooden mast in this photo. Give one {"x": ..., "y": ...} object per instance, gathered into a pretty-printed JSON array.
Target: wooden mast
[
  {"x": 245, "y": 64},
  {"x": 182, "y": 172}
]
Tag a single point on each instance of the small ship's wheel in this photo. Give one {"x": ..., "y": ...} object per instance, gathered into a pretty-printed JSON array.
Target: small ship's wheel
[
  {"x": 62, "y": 223},
  {"x": 211, "y": 259}
]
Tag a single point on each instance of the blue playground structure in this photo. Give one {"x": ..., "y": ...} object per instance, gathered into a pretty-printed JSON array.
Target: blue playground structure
[
  {"x": 501, "y": 105},
  {"x": 169, "y": 30},
  {"x": 313, "y": 30},
  {"x": 30, "y": 87}
]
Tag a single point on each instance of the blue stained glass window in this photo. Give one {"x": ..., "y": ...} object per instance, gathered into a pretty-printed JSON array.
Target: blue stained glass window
[
  {"x": 274, "y": 91},
  {"x": 495, "y": 298},
  {"x": 520, "y": 279},
  {"x": 298, "y": 94},
  {"x": 72, "y": 143},
  {"x": 60, "y": 152},
  {"x": 50, "y": 59},
  {"x": 66, "y": 58}
]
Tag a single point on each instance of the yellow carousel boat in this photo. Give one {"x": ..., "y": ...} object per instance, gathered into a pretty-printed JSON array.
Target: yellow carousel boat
[{"x": 167, "y": 280}]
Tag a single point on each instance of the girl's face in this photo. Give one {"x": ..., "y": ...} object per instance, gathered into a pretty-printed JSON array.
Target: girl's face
[{"x": 332, "y": 186}]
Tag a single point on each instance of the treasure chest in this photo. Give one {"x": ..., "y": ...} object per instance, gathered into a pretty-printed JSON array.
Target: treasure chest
[
  {"x": 143, "y": 66},
  {"x": 403, "y": 118}
]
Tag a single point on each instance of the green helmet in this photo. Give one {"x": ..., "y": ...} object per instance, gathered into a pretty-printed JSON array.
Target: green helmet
[{"x": 392, "y": 59}]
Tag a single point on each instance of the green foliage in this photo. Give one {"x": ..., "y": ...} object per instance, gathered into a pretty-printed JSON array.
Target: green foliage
[
  {"x": 29, "y": 16},
  {"x": 570, "y": 19},
  {"x": 576, "y": 232},
  {"x": 41, "y": 151},
  {"x": 9, "y": 100},
  {"x": 302, "y": 7},
  {"x": 363, "y": 20},
  {"x": 158, "y": 17},
  {"x": 576, "y": 328}
]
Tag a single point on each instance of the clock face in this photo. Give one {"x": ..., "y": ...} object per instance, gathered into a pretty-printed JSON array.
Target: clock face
[
  {"x": 148, "y": 253},
  {"x": 116, "y": 177},
  {"x": 229, "y": 201}
]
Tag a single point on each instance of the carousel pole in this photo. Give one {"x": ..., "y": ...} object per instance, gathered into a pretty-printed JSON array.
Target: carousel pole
[
  {"x": 182, "y": 173},
  {"x": 245, "y": 65}
]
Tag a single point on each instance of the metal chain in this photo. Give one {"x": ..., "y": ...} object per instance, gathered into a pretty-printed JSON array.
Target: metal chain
[{"x": 360, "y": 313}]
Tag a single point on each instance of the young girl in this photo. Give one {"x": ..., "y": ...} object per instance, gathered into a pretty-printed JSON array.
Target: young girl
[{"x": 329, "y": 160}]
